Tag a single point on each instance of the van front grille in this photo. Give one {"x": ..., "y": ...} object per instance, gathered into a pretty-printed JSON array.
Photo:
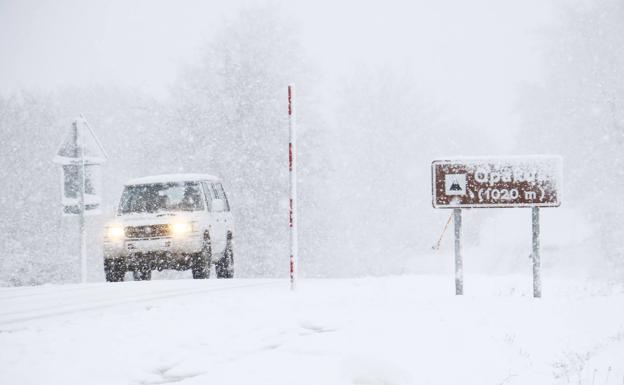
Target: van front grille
[{"x": 149, "y": 231}]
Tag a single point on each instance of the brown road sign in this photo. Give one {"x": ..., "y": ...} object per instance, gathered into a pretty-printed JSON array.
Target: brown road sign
[{"x": 533, "y": 181}]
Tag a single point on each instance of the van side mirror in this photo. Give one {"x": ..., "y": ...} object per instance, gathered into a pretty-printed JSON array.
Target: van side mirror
[{"x": 218, "y": 205}]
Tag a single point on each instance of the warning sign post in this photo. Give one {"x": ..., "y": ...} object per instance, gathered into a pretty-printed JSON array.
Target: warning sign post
[
  {"x": 530, "y": 181},
  {"x": 80, "y": 156}
]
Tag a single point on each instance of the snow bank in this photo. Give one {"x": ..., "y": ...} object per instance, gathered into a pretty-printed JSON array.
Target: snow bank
[{"x": 393, "y": 331}]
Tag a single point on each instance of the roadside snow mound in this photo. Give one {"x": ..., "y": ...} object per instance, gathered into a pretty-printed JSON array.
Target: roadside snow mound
[{"x": 390, "y": 331}]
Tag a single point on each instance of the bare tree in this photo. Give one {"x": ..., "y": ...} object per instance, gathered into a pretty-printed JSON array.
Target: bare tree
[{"x": 578, "y": 111}]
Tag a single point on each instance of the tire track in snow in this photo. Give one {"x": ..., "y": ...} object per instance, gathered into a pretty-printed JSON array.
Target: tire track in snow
[
  {"x": 80, "y": 294},
  {"x": 35, "y": 291},
  {"x": 51, "y": 312},
  {"x": 9, "y": 293}
]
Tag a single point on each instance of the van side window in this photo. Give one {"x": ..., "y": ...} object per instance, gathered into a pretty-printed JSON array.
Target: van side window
[
  {"x": 217, "y": 190},
  {"x": 207, "y": 194}
]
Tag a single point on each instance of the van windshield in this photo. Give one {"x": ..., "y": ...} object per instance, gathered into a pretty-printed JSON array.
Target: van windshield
[{"x": 157, "y": 197}]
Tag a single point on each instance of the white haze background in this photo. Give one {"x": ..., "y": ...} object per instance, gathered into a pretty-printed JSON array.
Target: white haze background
[{"x": 382, "y": 89}]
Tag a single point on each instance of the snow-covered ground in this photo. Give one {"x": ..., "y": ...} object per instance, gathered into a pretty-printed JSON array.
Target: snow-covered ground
[{"x": 391, "y": 331}]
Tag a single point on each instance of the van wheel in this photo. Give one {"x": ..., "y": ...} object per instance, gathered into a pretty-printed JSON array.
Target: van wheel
[
  {"x": 225, "y": 266},
  {"x": 201, "y": 261},
  {"x": 144, "y": 275},
  {"x": 113, "y": 271}
]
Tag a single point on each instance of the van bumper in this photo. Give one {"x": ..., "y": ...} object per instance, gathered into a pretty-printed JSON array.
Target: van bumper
[
  {"x": 151, "y": 261},
  {"x": 155, "y": 254}
]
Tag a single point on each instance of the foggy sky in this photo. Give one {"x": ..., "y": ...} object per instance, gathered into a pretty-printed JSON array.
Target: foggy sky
[{"x": 469, "y": 56}]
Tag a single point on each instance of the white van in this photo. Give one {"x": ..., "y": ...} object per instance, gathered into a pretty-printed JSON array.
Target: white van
[{"x": 179, "y": 221}]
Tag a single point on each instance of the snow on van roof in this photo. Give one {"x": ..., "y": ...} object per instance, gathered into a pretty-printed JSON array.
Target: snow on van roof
[{"x": 165, "y": 178}]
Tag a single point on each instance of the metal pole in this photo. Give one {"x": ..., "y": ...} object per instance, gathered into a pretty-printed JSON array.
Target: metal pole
[
  {"x": 83, "y": 232},
  {"x": 292, "y": 167},
  {"x": 537, "y": 281},
  {"x": 459, "y": 265}
]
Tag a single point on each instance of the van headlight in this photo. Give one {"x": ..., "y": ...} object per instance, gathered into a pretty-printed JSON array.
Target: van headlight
[
  {"x": 114, "y": 231},
  {"x": 181, "y": 228}
]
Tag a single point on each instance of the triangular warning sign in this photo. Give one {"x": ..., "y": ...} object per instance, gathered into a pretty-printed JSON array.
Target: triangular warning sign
[{"x": 80, "y": 139}]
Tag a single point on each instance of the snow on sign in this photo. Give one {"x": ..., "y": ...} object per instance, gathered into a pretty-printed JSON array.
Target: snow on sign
[{"x": 533, "y": 181}]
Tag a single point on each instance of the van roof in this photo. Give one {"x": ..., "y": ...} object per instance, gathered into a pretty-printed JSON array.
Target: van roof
[{"x": 166, "y": 178}]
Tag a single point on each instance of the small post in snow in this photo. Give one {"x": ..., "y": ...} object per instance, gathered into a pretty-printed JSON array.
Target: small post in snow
[
  {"x": 292, "y": 168},
  {"x": 459, "y": 265},
  {"x": 537, "y": 281}
]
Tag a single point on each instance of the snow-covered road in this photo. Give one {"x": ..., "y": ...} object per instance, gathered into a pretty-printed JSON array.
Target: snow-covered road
[{"x": 393, "y": 330}]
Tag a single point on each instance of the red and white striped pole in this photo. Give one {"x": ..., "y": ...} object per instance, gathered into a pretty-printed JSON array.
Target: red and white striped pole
[{"x": 292, "y": 167}]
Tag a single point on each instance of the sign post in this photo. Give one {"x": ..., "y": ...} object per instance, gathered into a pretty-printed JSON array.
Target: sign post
[
  {"x": 535, "y": 256},
  {"x": 532, "y": 181},
  {"x": 459, "y": 263},
  {"x": 80, "y": 156},
  {"x": 81, "y": 204}
]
